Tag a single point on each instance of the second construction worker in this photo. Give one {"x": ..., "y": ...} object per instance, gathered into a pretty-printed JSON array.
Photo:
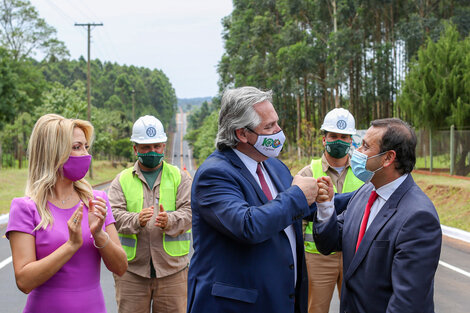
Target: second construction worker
[
  {"x": 326, "y": 271},
  {"x": 152, "y": 208}
]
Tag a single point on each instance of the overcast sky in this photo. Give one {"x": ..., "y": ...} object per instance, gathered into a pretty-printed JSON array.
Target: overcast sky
[{"x": 180, "y": 37}]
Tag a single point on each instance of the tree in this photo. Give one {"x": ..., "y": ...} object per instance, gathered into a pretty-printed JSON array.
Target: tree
[
  {"x": 203, "y": 139},
  {"x": 435, "y": 93},
  {"x": 15, "y": 136},
  {"x": 316, "y": 55},
  {"x": 68, "y": 102},
  {"x": 24, "y": 33},
  {"x": 21, "y": 87},
  {"x": 198, "y": 115}
]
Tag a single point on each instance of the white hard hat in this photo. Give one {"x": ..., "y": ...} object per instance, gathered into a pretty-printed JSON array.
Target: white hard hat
[
  {"x": 339, "y": 121},
  {"x": 148, "y": 129}
]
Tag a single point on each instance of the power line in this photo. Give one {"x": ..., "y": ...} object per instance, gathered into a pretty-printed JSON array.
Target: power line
[
  {"x": 82, "y": 3},
  {"x": 111, "y": 53},
  {"x": 62, "y": 13},
  {"x": 86, "y": 16},
  {"x": 102, "y": 37},
  {"x": 86, "y": 11}
]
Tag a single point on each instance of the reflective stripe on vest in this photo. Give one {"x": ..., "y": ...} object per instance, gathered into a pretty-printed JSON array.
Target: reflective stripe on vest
[
  {"x": 132, "y": 188},
  {"x": 127, "y": 241},
  {"x": 351, "y": 183}
]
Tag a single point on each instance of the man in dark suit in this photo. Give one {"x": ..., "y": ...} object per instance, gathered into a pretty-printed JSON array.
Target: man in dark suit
[
  {"x": 390, "y": 233},
  {"x": 247, "y": 214}
]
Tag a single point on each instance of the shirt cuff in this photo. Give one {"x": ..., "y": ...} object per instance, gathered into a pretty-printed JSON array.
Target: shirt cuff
[{"x": 325, "y": 210}]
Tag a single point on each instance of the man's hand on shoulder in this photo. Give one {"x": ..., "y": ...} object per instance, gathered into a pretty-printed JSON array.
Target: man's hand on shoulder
[{"x": 308, "y": 185}]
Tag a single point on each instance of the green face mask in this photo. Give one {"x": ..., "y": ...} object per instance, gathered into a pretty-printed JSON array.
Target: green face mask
[
  {"x": 338, "y": 148},
  {"x": 151, "y": 159}
]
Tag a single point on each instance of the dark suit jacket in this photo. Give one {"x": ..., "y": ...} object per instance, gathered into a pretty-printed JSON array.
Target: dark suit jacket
[
  {"x": 393, "y": 269},
  {"x": 242, "y": 258}
]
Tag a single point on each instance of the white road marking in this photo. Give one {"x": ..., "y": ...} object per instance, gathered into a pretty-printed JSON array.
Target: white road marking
[
  {"x": 5, "y": 262},
  {"x": 454, "y": 268}
]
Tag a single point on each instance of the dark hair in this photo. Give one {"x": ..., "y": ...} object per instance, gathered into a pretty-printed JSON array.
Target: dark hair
[{"x": 401, "y": 138}]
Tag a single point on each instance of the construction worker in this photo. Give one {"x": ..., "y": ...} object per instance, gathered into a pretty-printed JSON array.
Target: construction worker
[
  {"x": 324, "y": 272},
  {"x": 152, "y": 207}
]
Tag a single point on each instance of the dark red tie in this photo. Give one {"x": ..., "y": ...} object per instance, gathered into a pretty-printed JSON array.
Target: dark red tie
[
  {"x": 263, "y": 183},
  {"x": 362, "y": 230}
]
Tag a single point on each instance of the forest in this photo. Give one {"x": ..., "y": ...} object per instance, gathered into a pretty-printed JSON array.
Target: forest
[
  {"x": 377, "y": 58},
  {"x": 56, "y": 84}
]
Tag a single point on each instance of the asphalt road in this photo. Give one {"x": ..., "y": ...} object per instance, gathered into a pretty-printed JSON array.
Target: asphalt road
[
  {"x": 181, "y": 155},
  {"x": 452, "y": 285},
  {"x": 452, "y": 289},
  {"x": 13, "y": 300}
]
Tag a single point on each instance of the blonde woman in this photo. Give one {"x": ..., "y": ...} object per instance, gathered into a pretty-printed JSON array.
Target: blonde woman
[{"x": 60, "y": 231}]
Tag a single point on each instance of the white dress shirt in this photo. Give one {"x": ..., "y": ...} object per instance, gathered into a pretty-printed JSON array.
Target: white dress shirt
[
  {"x": 252, "y": 165},
  {"x": 326, "y": 209}
]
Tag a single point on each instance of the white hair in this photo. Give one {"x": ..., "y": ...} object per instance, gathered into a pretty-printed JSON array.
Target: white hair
[{"x": 237, "y": 111}]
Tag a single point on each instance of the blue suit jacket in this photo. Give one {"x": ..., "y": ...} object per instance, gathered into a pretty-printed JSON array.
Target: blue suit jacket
[
  {"x": 393, "y": 269},
  {"x": 242, "y": 258}
]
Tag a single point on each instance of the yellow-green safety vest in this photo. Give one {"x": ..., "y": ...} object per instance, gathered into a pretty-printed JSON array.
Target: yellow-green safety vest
[
  {"x": 351, "y": 183},
  {"x": 132, "y": 188}
]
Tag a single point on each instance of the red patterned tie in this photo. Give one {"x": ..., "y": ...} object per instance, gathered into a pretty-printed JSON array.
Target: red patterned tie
[
  {"x": 362, "y": 230},
  {"x": 263, "y": 183}
]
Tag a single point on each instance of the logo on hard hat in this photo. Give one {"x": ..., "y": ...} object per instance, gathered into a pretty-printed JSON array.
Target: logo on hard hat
[
  {"x": 151, "y": 131},
  {"x": 341, "y": 124}
]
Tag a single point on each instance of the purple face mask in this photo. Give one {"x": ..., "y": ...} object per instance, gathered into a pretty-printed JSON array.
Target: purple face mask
[{"x": 76, "y": 167}]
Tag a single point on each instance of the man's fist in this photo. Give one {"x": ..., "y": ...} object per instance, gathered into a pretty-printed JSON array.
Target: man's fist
[
  {"x": 325, "y": 189},
  {"x": 308, "y": 185}
]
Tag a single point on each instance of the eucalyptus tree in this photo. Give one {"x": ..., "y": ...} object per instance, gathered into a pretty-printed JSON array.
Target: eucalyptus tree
[
  {"x": 21, "y": 86},
  {"x": 24, "y": 33},
  {"x": 318, "y": 54}
]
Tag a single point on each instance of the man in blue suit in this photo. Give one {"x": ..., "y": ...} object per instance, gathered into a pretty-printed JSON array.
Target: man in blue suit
[
  {"x": 390, "y": 233},
  {"x": 247, "y": 214}
]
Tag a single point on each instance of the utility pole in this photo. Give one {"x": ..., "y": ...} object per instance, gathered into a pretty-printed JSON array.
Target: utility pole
[{"x": 88, "y": 78}]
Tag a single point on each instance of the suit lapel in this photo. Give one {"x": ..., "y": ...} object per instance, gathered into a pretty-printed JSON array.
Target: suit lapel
[
  {"x": 385, "y": 213},
  {"x": 235, "y": 160},
  {"x": 274, "y": 177},
  {"x": 379, "y": 221},
  {"x": 353, "y": 221}
]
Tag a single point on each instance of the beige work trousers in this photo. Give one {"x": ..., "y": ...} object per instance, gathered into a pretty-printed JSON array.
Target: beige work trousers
[
  {"x": 137, "y": 294},
  {"x": 324, "y": 273}
]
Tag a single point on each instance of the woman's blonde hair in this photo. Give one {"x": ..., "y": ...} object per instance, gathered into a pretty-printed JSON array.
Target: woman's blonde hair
[{"x": 49, "y": 148}]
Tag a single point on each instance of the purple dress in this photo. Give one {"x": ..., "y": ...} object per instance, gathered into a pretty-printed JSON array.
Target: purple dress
[{"x": 75, "y": 288}]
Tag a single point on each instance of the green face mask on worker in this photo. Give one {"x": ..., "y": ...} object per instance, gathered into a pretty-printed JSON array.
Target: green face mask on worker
[
  {"x": 338, "y": 148},
  {"x": 150, "y": 159}
]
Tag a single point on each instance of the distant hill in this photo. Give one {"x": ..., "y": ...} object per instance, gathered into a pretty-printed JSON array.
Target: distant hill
[{"x": 188, "y": 103}]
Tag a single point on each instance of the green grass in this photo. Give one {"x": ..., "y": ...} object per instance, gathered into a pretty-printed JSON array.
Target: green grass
[
  {"x": 438, "y": 161},
  {"x": 105, "y": 171},
  {"x": 450, "y": 195},
  {"x": 13, "y": 181},
  {"x": 295, "y": 165}
]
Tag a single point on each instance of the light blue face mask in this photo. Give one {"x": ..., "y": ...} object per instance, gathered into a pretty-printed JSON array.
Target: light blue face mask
[{"x": 358, "y": 166}]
